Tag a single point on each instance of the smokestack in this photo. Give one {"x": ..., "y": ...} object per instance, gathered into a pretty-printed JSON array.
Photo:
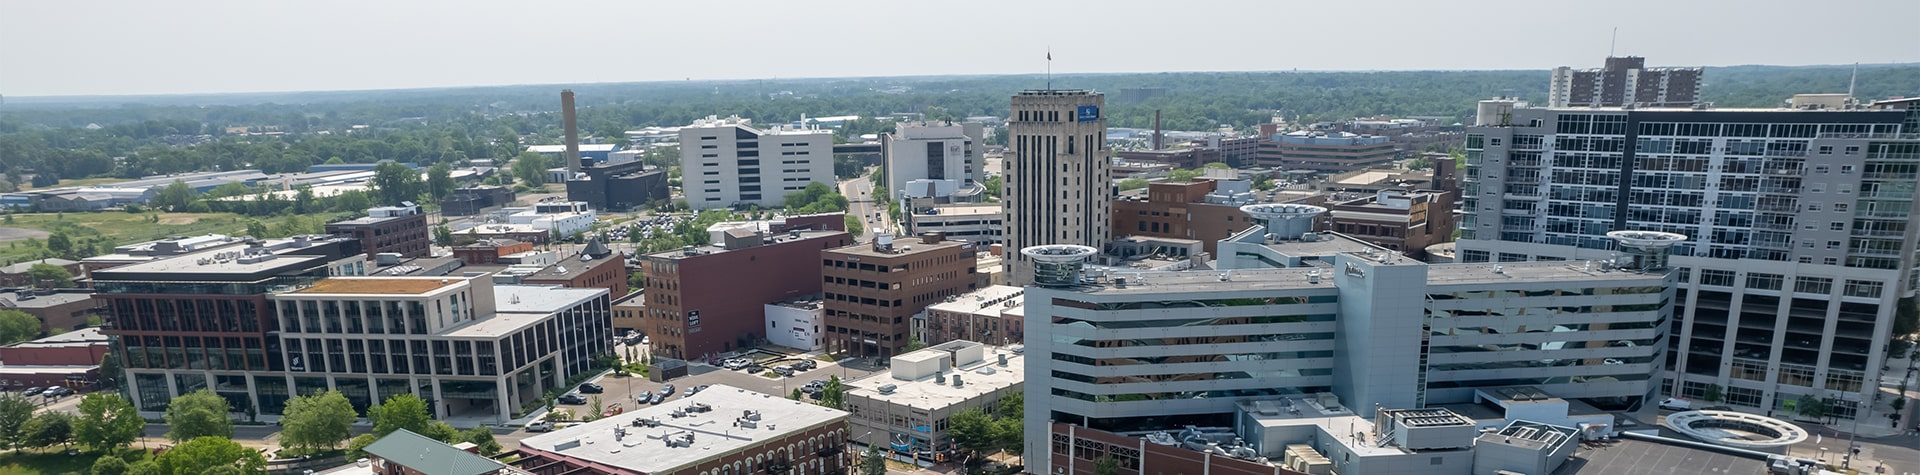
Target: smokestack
[
  {"x": 1156, "y": 129},
  {"x": 572, "y": 157}
]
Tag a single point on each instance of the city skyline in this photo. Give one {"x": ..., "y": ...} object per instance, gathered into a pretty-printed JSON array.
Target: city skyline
[{"x": 182, "y": 49}]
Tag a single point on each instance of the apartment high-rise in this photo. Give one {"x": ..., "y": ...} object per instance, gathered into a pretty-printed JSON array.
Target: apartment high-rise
[
  {"x": 1057, "y": 184},
  {"x": 928, "y": 160},
  {"x": 1801, "y": 223},
  {"x": 1625, "y": 81},
  {"x": 728, "y": 162}
]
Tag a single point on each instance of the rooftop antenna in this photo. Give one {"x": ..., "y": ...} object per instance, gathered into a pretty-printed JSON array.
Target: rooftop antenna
[
  {"x": 1852, "y": 80},
  {"x": 1613, "y": 42},
  {"x": 1049, "y": 67}
]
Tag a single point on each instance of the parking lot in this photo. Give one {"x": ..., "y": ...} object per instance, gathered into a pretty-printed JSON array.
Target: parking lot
[{"x": 621, "y": 390}]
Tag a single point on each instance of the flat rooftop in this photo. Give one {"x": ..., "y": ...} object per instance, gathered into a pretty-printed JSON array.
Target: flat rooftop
[
  {"x": 540, "y": 299},
  {"x": 715, "y": 433},
  {"x": 14, "y": 300},
  {"x": 980, "y": 378},
  {"x": 571, "y": 267},
  {"x": 988, "y": 301},
  {"x": 223, "y": 260},
  {"x": 1642, "y": 457},
  {"x": 1323, "y": 244},
  {"x": 1537, "y": 271},
  {"x": 77, "y": 338},
  {"x": 498, "y": 325},
  {"x": 1154, "y": 282},
  {"x": 713, "y": 249},
  {"x": 962, "y": 210},
  {"x": 379, "y": 285},
  {"x": 903, "y": 246}
]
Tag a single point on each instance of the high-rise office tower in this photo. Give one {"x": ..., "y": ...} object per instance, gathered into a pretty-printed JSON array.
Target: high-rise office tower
[
  {"x": 1801, "y": 223},
  {"x": 1624, "y": 81},
  {"x": 1057, "y": 184},
  {"x": 728, "y": 162}
]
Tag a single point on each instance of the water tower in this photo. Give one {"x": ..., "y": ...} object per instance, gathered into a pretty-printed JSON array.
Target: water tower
[
  {"x": 1285, "y": 222},
  {"x": 1058, "y": 265},
  {"x": 1644, "y": 251}
]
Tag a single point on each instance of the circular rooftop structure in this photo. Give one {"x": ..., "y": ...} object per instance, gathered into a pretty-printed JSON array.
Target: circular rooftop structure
[
  {"x": 1059, "y": 253},
  {"x": 1282, "y": 210},
  {"x": 1735, "y": 429},
  {"x": 1646, "y": 239}
]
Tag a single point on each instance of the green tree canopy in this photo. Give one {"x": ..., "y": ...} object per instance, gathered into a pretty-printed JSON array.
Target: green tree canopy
[
  {"x": 530, "y": 168},
  {"x": 176, "y": 197},
  {"x": 482, "y": 438},
  {"x": 1182, "y": 175},
  {"x": 198, "y": 414},
  {"x": 834, "y": 394},
  {"x": 17, "y": 326},
  {"x": 110, "y": 466},
  {"x": 106, "y": 422},
  {"x": 854, "y": 225},
  {"x": 439, "y": 180},
  {"x": 1133, "y": 184},
  {"x": 48, "y": 429},
  {"x": 46, "y": 275},
  {"x": 393, "y": 183},
  {"x": 402, "y": 411},
  {"x": 318, "y": 421},
  {"x": 15, "y": 411},
  {"x": 204, "y": 455}
]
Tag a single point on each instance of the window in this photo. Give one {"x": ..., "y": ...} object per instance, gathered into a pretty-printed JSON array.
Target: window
[
  {"x": 1813, "y": 206},
  {"x": 1833, "y": 245},
  {"x": 1826, "y": 150},
  {"x": 1813, "y": 285},
  {"x": 1715, "y": 277},
  {"x": 1836, "y": 226},
  {"x": 1864, "y": 288},
  {"x": 1841, "y": 207},
  {"x": 1764, "y": 281}
]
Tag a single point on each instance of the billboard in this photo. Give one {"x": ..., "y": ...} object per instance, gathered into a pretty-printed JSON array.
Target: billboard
[{"x": 1088, "y": 114}]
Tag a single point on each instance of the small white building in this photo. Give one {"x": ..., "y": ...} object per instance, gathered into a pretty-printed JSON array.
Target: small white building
[
  {"x": 980, "y": 224},
  {"x": 795, "y": 324},
  {"x": 567, "y": 217},
  {"x": 910, "y": 402},
  {"x": 931, "y": 160}
]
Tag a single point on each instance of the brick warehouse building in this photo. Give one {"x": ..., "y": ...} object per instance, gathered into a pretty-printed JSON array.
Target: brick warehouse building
[
  {"x": 706, "y": 300},
  {"x": 874, "y": 291},
  {"x": 401, "y": 229}
]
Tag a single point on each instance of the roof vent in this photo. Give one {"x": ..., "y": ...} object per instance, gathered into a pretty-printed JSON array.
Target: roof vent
[
  {"x": 956, "y": 380},
  {"x": 887, "y": 388},
  {"x": 1499, "y": 269}
]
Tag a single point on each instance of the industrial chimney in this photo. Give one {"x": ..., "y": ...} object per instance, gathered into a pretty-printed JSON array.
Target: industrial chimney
[
  {"x": 572, "y": 157},
  {"x": 1156, "y": 129}
]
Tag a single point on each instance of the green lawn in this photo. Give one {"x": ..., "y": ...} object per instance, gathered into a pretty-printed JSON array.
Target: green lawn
[
  {"x": 124, "y": 228},
  {"x": 47, "y": 463}
]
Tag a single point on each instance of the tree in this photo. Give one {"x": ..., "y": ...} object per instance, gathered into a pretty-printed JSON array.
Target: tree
[
  {"x": 873, "y": 463},
  {"x": 1812, "y": 407},
  {"x": 1132, "y": 184},
  {"x": 833, "y": 394},
  {"x": 15, "y": 411},
  {"x": 598, "y": 408},
  {"x": 795, "y": 395},
  {"x": 993, "y": 185},
  {"x": 1106, "y": 466},
  {"x": 106, "y": 422},
  {"x": 393, "y": 183},
  {"x": 17, "y": 326},
  {"x": 442, "y": 431},
  {"x": 357, "y": 446},
  {"x": 110, "y": 466},
  {"x": 443, "y": 236},
  {"x": 210, "y": 455},
  {"x": 1182, "y": 175},
  {"x": 401, "y": 411},
  {"x": 198, "y": 414},
  {"x": 439, "y": 181},
  {"x": 973, "y": 430},
  {"x": 175, "y": 197},
  {"x": 1712, "y": 393},
  {"x": 319, "y": 421},
  {"x": 854, "y": 225},
  {"x": 530, "y": 168},
  {"x": 482, "y": 438},
  {"x": 48, "y": 429},
  {"x": 1264, "y": 183},
  {"x": 46, "y": 275},
  {"x": 257, "y": 229},
  {"x": 352, "y": 201},
  {"x": 914, "y": 344},
  {"x": 60, "y": 244}
]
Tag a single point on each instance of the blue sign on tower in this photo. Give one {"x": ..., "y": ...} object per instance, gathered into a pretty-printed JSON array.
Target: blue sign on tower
[{"x": 1088, "y": 113}]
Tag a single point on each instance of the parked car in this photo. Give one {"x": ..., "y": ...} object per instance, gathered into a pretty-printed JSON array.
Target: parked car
[
  {"x": 667, "y": 390},
  {"x": 657, "y": 398},
  {"x": 642, "y": 397},
  {"x": 783, "y": 371},
  {"x": 736, "y": 363},
  {"x": 692, "y": 390},
  {"x": 573, "y": 399},
  {"x": 540, "y": 426},
  {"x": 1676, "y": 404},
  {"x": 754, "y": 368},
  {"x": 590, "y": 388},
  {"x": 57, "y": 391},
  {"x": 31, "y": 392},
  {"x": 805, "y": 365}
]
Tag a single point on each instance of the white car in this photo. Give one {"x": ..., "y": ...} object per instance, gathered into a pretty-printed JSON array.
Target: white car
[{"x": 1676, "y": 404}]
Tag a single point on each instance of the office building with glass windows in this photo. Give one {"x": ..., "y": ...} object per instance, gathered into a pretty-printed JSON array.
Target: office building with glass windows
[
  {"x": 1800, "y": 223},
  {"x": 1326, "y": 316}
]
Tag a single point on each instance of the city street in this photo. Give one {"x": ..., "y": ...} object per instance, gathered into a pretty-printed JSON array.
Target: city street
[{"x": 859, "y": 193}]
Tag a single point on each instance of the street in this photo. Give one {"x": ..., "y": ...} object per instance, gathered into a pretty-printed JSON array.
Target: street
[{"x": 860, "y": 203}]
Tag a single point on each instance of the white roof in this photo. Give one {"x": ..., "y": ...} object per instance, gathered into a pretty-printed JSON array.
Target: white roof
[
  {"x": 980, "y": 378},
  {"x": 716, "y": 434}
]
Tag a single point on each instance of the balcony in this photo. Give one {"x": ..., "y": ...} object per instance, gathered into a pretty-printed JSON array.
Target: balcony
[
  {"x": 1879, "y": 233},
  {"x": 1887, "y": 176},
  {"x": 1774, "y": 226},
  {"x": 1777, "y": 208},
  {"x": 1780, "y": 190},
  {"x": 1881, "y": 214},
  {"x": 1874, "y": 252}
]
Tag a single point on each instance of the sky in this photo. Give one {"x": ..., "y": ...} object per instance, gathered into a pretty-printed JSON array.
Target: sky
[{"x": 116, "y": 47}]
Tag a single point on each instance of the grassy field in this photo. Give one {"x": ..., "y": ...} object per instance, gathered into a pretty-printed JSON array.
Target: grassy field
[
  {"x": 124, "y": 228},
  {"x": 27, "y": 462}
]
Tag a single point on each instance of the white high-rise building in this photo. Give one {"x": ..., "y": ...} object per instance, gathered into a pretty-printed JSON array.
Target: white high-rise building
[
  {"x": 1801, "y": 225},
  {"x": 929, "y": 160},
  {"x": 1056, "y": 178},
  {"x": 727, "y": 162}
]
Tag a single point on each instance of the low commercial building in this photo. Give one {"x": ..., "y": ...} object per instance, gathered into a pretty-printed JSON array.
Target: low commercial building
[
  {"x": 873, "y": 291},
  {"x": 1327, "y": 152},
  {"x": 564, "y": 218},
  {"x": 1205, "y": 210},
  {"x": 910, "y": 403},
  {"x": 406, "y": 453},
  {"x": 1405, "y": 221},
  {"x": 707, "y": 300},
  {"x": 975, "y": 223},
  {"x": 490, "y": 251},
  {"x": 1189, "y": 157},
  {"x": 474, "y": 200},
  {"x": 69, "y": 359},
  {"x": 629, "y": 313},
  {"x": 720, "y": 430},
  {"x": 57, "y": 309},
  {"x": 595, "y": 267},
  {"x": 618, "y": 185},
  {"x": 991, "y": 314},
  {"x": 795, "y": 324},
  {"x": 17, "y": 274},
  {"x": 389, "y": 229}
]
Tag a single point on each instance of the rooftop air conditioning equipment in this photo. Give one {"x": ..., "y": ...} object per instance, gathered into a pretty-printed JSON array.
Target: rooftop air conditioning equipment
[
  {"x": 1003, "y": 359},
  {"x": 956, "y": 380},
  {"x": 887, "y": 388}
]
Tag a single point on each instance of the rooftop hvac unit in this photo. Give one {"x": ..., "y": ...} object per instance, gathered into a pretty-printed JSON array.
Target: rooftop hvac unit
[
  {"x": 956, "y": 380},
  {"x": 888, "y": 388}
]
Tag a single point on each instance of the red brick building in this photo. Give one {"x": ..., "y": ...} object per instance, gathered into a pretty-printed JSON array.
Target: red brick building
[
  {"x": 706, "y": 300},
  {"x": 68, "y": 359},
  {"x": 735, "y": 432},
  {"x": 1077, "y": 450},
  {"x": 872, "y": 291},
  {"x": 396, "y": 229},
  {"x": 489, "y": 251},
  {"x": 603, "y": 269}
]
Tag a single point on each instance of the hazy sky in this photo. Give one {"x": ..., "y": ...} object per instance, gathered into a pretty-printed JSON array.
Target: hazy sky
[{"x": 73, "y": 47}]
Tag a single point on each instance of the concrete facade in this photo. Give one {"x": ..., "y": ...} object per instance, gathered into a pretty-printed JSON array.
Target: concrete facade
[
  {"x": 1625, "y": 81},
  {"x": 953, "y": 153},
  {"x": 729, "y": 162},
  {"x": 1057, "y": 183},
  {"x": 795, "y": 324}
]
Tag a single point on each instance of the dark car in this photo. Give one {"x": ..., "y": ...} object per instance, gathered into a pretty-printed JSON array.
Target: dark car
[
  {"x": 57, "y": 391},
  {"x": 590, "y": 388},
  {"x": 692, "y": 390},
  {"x": 573, "y": 398},
  {"x": 642, "y": 397},
  {"x": 667, "y": 390},
  {"x": 33, "y": 391},
  {"x": 783, "y": 371},
  {"x": 805, "y": 365},
  {"x": 755, "y": 368},
  {"x": 657, "y": 398}
]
